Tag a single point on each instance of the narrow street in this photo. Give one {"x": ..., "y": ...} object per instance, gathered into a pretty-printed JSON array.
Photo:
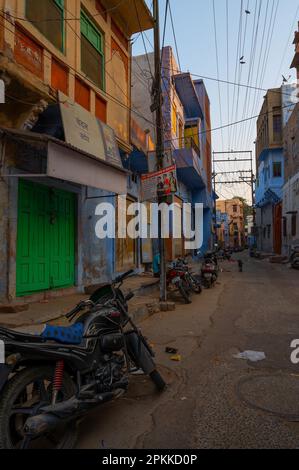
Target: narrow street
[{"x": 213, "y": 398}]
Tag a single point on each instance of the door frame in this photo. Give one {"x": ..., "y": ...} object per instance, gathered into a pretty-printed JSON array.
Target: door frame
[
  {"x": 60, "y": 195},
  {"x": 12, "y": 230}
]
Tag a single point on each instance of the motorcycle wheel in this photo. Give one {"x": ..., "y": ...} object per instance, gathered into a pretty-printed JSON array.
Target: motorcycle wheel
[
  {"x": 184, "y": 293},
  {"x": 195, "y": 285},
  {"x": 158, "y": 380},
  {"x": 24, "y": 391}
]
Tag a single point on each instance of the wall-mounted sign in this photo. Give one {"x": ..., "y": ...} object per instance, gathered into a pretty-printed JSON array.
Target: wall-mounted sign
[
  {"x": 159, "y": 184},
  {"x": 112, "y": 150},
  {"x": 81, "y": 128}
]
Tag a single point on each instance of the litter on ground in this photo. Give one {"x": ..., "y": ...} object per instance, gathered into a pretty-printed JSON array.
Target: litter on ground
[{"x": 252, "y": 356}]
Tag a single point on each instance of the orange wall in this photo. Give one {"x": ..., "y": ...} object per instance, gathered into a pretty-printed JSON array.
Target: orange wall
[
  {"x": 82, "y": 94},
  {"x": 101, "y": 109},
  {"x": 28, "y": 53},
  {"x": 59, "y": 77}
]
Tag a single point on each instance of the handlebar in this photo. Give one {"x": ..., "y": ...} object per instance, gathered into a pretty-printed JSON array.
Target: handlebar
[
  {"x": 121, "y": 278},
  {"x": 78, "y": 308},
  {"x": 74, "y": 312}
]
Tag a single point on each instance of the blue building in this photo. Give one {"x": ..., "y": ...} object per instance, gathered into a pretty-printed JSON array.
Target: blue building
[
  {"x": 187, "y": 140},
  {"x": 270, "y": 168},
  {"x": 197, "y": 149}
]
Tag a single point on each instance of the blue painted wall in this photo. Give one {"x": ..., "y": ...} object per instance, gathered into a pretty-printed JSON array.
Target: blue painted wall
[{"x": 266, "y": 179}]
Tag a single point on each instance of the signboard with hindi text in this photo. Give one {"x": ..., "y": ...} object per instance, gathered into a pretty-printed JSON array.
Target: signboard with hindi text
[
  {"x": 81, "y": 128},
  {"x": 162, "y": 183}
]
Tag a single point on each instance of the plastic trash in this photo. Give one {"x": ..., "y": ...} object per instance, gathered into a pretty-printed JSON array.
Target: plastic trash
[
  {"x": 252, "y": 356},
  {"x": 176, "y": 358}
]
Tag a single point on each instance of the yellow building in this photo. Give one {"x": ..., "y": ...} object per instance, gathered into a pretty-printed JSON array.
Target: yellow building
[
  {"x": 234, "y": 209},
  {"x": 64, "y": 127},
  {"x": 269, "y": 128},
  {"x": 81, "y": 48}
]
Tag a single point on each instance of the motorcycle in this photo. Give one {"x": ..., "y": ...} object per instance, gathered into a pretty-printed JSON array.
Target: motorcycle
[
  {"x": 212, "y": 257},
  {"x": 209, "y": 272},
  {"x": 294, "y": 259},
  {"x": 192, "y": 279},
  {"x": 176, "y": 277},
  {"x": 49, "y": 382}
]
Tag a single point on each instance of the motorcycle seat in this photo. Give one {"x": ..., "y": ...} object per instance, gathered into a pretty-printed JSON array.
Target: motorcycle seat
[{"x": 64, "y": 335}]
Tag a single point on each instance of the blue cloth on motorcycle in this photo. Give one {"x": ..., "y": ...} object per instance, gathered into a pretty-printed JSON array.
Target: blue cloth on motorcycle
[{"x": 64, "y": 335}]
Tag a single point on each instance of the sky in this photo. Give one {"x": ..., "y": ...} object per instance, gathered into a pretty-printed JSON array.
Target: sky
[{"x": 264, "y": 37}]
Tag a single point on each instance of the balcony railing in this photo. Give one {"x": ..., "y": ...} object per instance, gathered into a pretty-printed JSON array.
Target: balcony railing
[{"x": 190, "y": 143}]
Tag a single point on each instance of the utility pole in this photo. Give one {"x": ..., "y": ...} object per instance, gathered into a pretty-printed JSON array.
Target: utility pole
[
  {"x": 250, "y": 180},
  {"x": 215, "y": 204},
  {"x": 157, "y": 106}
]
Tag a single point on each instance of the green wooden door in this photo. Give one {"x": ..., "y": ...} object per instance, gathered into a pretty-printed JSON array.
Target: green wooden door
[
  {"x": 46, "y": 239},
  {"x": 62, "y": 239}
]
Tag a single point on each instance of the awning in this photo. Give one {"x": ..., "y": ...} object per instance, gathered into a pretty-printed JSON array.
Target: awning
[
  {"x": 131, "y": 20},
  {"x": 41, "y": 155},
  {"x": 67, "y": 164}
]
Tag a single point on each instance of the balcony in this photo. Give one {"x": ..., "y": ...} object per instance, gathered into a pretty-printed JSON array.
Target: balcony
[{"x": 189, "y": 168}]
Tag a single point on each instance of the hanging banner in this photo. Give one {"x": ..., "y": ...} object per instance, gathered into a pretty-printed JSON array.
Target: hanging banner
[{"x": 159, "y": 184}]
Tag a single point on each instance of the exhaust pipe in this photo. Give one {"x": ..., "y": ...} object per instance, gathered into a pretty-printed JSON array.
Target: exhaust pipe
[{"x": 52, "y": 416}]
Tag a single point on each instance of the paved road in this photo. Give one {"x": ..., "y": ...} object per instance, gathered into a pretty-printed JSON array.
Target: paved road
[{"x": 214, "y": 400}]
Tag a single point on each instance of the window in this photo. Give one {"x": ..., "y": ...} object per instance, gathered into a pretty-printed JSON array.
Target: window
[
  {"x": 277, "y": 170},
  {"x": 284, "y": 226},
  {"x": 174, "y": 119},
  {"x": 269, "y": 231},
  {"x": 38, "y": 12},
  {"x": 92, "y": 51},
  {"x": 294, "y": 225},
  {"x": 181, "y": 134},
  {"x": 235, "y": 208},
  {"x": 277, "y": 127}
]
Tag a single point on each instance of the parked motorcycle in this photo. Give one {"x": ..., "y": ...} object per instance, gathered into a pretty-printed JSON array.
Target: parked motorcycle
[
  {"x": 212, "y": 257},
  {"x": 294, "y": 259},
  {"x": 176, "y": 277},
  {"x": 51, "y": 381},
  {"x": 193, "y": 280},
  {"x": 209, "y": 273}
]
